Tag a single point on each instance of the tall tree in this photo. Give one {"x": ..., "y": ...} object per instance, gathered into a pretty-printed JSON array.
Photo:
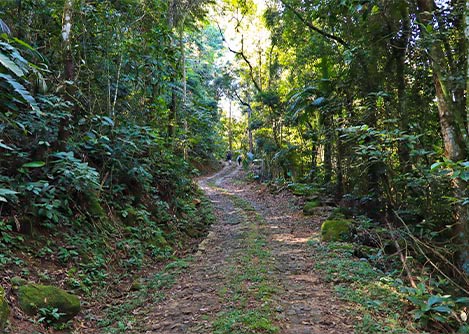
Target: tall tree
[{"x": 453, "y": 131}]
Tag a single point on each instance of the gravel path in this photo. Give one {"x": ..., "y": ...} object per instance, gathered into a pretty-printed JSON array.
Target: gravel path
[{"x": 301, "y": 303}]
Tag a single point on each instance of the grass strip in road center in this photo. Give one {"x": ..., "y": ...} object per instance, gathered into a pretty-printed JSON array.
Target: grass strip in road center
[{"x": 249, "y": 291}]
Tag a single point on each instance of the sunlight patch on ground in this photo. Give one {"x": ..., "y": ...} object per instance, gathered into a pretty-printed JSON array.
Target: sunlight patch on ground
[
  {"x": 285, "y": 217},
  {"x": 289, "y": 239},
  {"x": 237, "y": 191},
  {"x": 304, "y": 278},
  {"x": 291, "y": 252}
]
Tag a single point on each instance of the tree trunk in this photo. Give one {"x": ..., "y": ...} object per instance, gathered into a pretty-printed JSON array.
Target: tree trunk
[
  {"x": 466, "y": 34},
  {"x": 251, "y": 146},
  {"x": 230, "y": 130},
  {"x": 455, "y": 151},
  {"x": 400, "y": 52},
  {"x": 453, "y": 139},
  {"x": 68, "y": 68},
  {"x": 184, "y": 88},
  {"x": 314, "y": 153},
  {"x": 326, "y": 119},
  {"x": 340, "y": 173},
  {"x": 328, "y": 148},
  {"x": 172, "y": 111},
  {"x": 403, "y": 149},
  {"x": 113, "y": 109},
  {"x": 67, "y": 41},
  {"x": 464, "y": 186}
]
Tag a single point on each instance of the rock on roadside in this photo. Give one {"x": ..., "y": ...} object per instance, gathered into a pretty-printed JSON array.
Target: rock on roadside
[
  {"x": 33, "y": 297},
  {"x": 336, "y": 230}
]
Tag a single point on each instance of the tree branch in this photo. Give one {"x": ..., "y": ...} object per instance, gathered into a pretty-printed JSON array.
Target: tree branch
[
  {"x": 246, "y": 60},
  {"x": 244, "y": 103},
  {"x": 313, "y": 27}
]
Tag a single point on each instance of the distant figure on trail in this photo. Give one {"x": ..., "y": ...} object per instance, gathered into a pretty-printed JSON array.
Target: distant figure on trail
[
  {"x": 229, "y": 157},
  {"x": 239, "y": 159}
]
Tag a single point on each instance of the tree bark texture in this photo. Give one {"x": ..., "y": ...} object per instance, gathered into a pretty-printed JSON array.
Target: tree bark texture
[
  {"x": 452, "y": 133},
  {"x": 68, "y": 68}
]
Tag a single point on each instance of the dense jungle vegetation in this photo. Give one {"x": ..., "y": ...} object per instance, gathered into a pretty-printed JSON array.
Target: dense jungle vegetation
[{"x": 110, "y": 109}]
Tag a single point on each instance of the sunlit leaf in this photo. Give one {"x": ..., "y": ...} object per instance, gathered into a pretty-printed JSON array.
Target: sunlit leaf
[
  {"x": 6, "y": 147},
  {"x": 21, "y": 90},
  {"x": 34, "y": 164},
  {"x": 10, "y": 65}
]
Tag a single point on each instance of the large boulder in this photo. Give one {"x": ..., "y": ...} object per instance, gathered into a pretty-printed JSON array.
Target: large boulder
[
  {"x": 33, "y": 297},
  {"x": 336, "y": 230},
  {"x": 4, "y": 310}
]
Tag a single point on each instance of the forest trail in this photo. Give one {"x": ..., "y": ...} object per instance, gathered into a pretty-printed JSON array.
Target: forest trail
[{"x": 253, "y": 273}]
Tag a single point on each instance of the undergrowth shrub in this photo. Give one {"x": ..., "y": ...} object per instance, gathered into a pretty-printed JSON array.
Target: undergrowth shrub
[{"x": 67, "y": 175}]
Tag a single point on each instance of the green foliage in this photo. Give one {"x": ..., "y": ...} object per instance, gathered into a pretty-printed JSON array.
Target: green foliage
[
  {"x": 151, "y": 290},
  {"x": 91, "y": 175},
  {"x": 338, "y": 101},
  {"x": 372, "y": 292},
  {"x": 302, "y": 189},
  {"x": 4, "y": 309},
  {"x": 242, "y": 322},
  {"x": 12, "y": 84},
  {"x": 49, "y": 315},
  {"x": 72, "y": 174},
  {"x": 433, "y": 309},
  {"x": 343, "y": 105},
  {"x": 56, "y": 166},
  {"x": 8, "y": 242}
]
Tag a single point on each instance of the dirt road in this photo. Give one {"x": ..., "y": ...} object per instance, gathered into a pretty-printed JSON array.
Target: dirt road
[{"x": 254, "y": 272}]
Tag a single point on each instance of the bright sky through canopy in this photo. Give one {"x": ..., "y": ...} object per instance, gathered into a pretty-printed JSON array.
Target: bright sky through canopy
[{"x": 245, "y": 33}]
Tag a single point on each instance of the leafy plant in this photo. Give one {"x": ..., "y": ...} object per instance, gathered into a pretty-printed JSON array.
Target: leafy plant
[
  {"x": 49, "y": 315},
  {"x": 442, "y": 309}
]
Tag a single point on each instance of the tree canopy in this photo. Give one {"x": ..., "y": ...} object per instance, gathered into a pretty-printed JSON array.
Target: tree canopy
[{"x": 110, "y": 109}]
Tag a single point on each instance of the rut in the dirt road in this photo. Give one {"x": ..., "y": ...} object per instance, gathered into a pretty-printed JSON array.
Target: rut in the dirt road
[{"x": 253, "y": 273}]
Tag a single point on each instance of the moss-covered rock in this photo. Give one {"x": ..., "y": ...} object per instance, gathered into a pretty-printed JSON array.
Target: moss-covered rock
[
  {"x": 336, "y": 230},
  {"x": 4, "y": 310},
  {"x": 32, "y": 297},
  {"x": 310, "y": 207}
]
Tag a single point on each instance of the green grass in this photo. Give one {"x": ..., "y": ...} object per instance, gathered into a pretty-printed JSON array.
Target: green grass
[
  {"x": 377, "y": 302},
  {"x": 249, "y": 291},
  {"x": 244, "y": 322},
  {"x": 119, "y": 317}
]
